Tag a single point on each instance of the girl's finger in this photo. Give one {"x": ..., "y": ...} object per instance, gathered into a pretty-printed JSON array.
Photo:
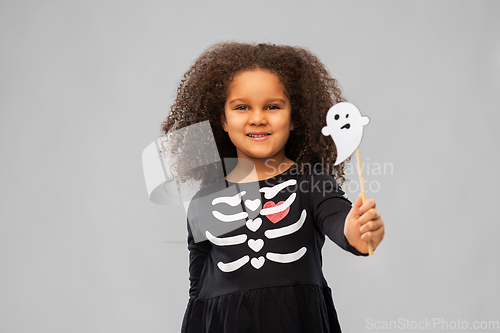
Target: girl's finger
[
  {"x": 378, "y": 235},
  {"x": 370, "y": 226},
  {"x": 359, "y": 202},
  {"x": 371, "y": 215},
  {"x": 374, "y": 235},
  {"x": 366, "y": 236},
  {"x": 369, "y": 203},
  {"x": 354, "y": 212}
]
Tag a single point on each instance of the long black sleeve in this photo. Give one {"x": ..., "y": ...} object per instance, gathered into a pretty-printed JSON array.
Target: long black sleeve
[
  {"x": 198, "y": 252},
  {"x": 330, "y": 208}
]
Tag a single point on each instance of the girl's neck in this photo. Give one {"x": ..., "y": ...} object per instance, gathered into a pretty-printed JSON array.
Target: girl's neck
[{"x": 260, "y": 169}]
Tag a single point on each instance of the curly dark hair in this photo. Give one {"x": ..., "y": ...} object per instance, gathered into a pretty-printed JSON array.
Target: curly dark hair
[{"x": 203, "y": 91}]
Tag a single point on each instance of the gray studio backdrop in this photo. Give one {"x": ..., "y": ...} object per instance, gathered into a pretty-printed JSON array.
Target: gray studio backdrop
[{"x": 85, "y": 85}]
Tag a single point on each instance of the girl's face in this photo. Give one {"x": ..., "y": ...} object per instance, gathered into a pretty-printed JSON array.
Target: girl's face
[{"x": 258, "y": 116}]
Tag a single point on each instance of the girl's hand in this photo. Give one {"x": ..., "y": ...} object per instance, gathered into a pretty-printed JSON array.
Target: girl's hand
[{"x": 363, "y": 223}]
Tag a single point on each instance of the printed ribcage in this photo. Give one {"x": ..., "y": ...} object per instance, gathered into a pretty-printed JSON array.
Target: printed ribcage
[{"x": 274, "y": 212}]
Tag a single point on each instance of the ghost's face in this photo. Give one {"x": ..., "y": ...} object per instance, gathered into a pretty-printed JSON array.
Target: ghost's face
[
  {"x": 345, "y": 125},
  {"x": 342, "y": 117}
]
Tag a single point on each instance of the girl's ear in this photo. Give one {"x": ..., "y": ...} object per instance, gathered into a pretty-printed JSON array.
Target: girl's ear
[{"x": 223, "y": 122}]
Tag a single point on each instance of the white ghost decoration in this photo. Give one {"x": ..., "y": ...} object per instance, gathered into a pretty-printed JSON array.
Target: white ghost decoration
[{"x": 344, "y": 123}]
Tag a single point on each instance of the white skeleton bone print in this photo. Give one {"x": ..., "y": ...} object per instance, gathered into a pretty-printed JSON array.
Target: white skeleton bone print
[{"x": 275, "y": 212}]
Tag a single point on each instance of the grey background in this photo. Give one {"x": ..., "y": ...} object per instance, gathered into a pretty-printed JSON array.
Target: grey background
[{"x": 84, "y": 86}]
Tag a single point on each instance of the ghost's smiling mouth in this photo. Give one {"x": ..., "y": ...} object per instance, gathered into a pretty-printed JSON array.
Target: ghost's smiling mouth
[{"x": 346, "y": 126}]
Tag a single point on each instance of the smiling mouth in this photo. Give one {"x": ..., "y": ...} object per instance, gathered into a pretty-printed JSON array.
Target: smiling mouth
[
  {"x": 257, "y": 135},
  {"x": 346, "y": 126}
]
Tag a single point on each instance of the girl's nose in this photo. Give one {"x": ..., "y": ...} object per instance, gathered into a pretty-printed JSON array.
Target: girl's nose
[{"x": 258, "y": 117}]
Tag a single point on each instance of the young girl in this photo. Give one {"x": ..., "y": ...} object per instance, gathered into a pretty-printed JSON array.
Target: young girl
[{"x": 262, "y": 270}]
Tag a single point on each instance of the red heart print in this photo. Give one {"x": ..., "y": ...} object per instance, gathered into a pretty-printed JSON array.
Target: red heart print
[{"x": 276, "y": 217}]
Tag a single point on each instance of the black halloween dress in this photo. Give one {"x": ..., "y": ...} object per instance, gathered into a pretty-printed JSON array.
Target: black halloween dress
[{"x": 255, "y": 254}]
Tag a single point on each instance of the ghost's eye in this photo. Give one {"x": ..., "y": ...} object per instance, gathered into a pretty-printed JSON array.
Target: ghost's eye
[
  {"x": 337, "y": 117},
  {"x": 347, "y": 115}
]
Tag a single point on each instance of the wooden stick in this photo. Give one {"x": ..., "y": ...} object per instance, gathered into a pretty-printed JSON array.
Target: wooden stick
[{"x": 363, "y": 195}]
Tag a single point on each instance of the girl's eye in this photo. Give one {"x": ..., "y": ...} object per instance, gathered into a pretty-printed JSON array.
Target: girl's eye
[
  {"x": 241, "y": 107},
  {"x": 272, "y": 107}
]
